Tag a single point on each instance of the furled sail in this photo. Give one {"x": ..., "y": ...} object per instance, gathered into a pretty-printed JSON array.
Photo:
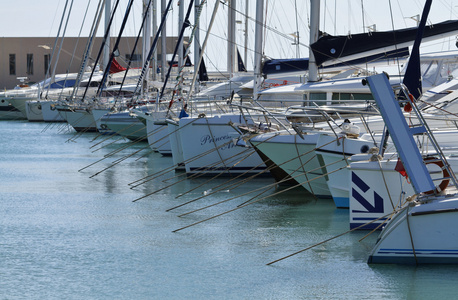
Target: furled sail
[
  {"x": 203, "y": 75},
  {"x": 241, "y": 65},
  {"x": 329, "y": 49},
  {"x": 280, "y": 66}
]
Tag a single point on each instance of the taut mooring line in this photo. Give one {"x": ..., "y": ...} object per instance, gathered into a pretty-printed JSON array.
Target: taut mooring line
[
  {"x": 238, "y": 207},
  {"x": 330, "y": 239}
]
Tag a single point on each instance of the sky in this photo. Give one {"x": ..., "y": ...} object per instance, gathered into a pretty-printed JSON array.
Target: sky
[{"x": 282, "y": 19}]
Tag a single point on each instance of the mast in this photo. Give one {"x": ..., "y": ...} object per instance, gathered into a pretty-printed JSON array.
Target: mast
[
  {"x": 180, "y": 37},
  {"x": 105, "y": 37},
  {"x": 134, "y": 48},
  {"x": 154, "y": 62},
  {"x": 258, "y": 46},
  {"x": 145, "y": 67},
  {"x": 89, "y": 46},
  {"x": 180, "y": 27},
  {"x": 314, "y": 31},
  {"x": 115, "y": 50},
  {"x": 61, "y": 42},
  {"x": 106, "y": 48},
  {"x": 296, "y": 37},
  {"x": 245, "y": 58},
  {"x": 231, "y": 49},
  {"x": 163, "y": 42},
  {"x": 146, "y": 37},
  {"x": 196, "y": 40},
  {"x": 48, "y": 73},
  {"x": 204, "y": 44}
]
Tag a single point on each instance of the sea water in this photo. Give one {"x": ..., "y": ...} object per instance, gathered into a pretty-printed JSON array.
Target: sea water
[{"x": 67, "y": 233}]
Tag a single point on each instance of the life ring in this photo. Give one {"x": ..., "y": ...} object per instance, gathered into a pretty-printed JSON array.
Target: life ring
[
  {"x": 445, "y": 174},
  {"x": 202, "y": 115}
]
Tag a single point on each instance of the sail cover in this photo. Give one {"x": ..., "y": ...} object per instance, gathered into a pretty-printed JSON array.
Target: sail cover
[
  {"x": 329, "y": 48},
  {"x": 291, "y": 65}
]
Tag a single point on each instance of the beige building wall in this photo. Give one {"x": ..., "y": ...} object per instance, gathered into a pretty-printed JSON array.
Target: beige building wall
[{"x": 69, "y": 58}]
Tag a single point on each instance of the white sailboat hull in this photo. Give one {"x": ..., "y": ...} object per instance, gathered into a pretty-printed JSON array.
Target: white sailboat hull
[
  {"x": 125, "y": 124},
  {"x": 81, "y": 120},
  {"x": 98, "y": 114},
  {"x": 157, "y": 132},
  {"x": 175, "y": 145},
  {"x": 296, "y": 156},
  {"x": 420, "y": 234},
  {"x": 9, "y": 112},
  {"x": 208, "y": 147},
  {"x": 333, "y": 157},
  {"x": 50, "y": 113},
  {"x": 33, "y": 109},
  {"x": 376, "y": 189},
  {"x": 19, "y": 102}
]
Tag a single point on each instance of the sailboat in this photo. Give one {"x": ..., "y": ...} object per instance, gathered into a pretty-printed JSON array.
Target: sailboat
[
  {"x": 204, "y": 136},
  {"x": 421, "y": 231},
  {"x": 424, "y": 229}
]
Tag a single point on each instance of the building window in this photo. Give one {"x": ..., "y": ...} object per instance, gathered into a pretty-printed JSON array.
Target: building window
[
  {"x": 47, "y": 63},
  {"x": 133, "y": 57},
  {"x": 12, "y": 64},
  {"x": 29, "y": 64}
]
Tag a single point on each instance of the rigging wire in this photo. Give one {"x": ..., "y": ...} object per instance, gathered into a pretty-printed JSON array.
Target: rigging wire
[
  {"x": 54, "y": 19},
  {"x": 76, "y": 46},
  {"x": 270, "y": 28},
  {"x": 400, "y": 10},
  {"x": 393, "y": 28}
]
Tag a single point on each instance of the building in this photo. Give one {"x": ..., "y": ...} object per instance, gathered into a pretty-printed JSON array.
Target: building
[{"x": 28, "y": 58}]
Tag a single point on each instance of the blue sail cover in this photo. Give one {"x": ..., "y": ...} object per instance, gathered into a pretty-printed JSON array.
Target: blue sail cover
[
  {"x": 287, "y": 65},
  {"x": 330, "y": 47},
  {"x": 291, "y": 65}
]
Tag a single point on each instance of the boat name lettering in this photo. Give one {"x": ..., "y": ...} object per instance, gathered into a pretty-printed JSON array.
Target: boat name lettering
[{"x": 207, "y": 139}]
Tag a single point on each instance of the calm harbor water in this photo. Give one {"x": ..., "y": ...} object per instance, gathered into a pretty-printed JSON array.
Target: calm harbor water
[{"x": 64, "y": 235}]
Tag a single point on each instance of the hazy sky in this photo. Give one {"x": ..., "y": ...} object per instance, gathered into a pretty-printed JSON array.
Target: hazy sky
[{"x": 42, "y": 18}]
